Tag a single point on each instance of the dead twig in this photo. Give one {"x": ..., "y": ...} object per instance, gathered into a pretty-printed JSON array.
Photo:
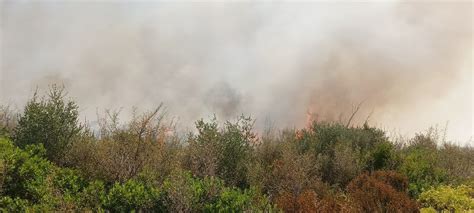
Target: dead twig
[{"x": 354, "y": 112}]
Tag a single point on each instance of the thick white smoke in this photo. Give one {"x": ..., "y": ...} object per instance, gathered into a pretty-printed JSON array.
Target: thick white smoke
[{"x": 411, "y": 63}]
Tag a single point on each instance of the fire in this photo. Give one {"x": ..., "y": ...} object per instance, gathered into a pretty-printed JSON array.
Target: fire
[{"x": 311, "y": 116}]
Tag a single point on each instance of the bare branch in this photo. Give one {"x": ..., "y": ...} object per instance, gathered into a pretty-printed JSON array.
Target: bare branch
[{"x": 354, "y": 112}]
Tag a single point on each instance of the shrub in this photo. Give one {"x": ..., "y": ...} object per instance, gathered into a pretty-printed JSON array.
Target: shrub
[
  {"x": 32, "y": 183},
  {"x": 381, "y": 191},
  {"x": 92, "y": 196},
  {"x": 8, "y": 121},
  {"x": 124, "y": 151},
  {"x": 420, "y": 165},
  {"x": 236, "y": 200},
  {"x": 133, "y": 196},
  {"x": 184, "y": 193},
  {"x": 51, "y": 121},
  {"x": 27, "y": 175},
  {"x": 203, "y": 152},
  {"x": 346, "y": 151},
  {"x": 457, "y": 162},
  {"x": 224, "y": 152},
  {"x": 448, "y": 198}
]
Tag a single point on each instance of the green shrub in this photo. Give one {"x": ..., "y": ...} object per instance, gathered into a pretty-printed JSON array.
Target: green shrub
[
  {"x": 448, "y": 198},
  {"x": 27, "y": 175},
  {"x": 420, "y": 165},
  {"x": 365, "y": 148},
  {"x": 51, "y": 121},
  {"x": 224, "y": 153},
  {"x": 237, "y": 200},
  {"x": 184, "y": 193},
  {"x": 133, "y": 196},
  {"x": 92, "y": 197}
]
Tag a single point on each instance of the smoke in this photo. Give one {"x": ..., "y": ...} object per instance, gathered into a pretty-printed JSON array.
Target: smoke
[{"x": 410, "y": 63}]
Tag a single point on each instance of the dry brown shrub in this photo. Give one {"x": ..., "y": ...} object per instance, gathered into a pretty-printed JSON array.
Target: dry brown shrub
[
  {"x": 122, "y": 152},
  {"x": 306, "y": 201},
  {"x": 381, "y": 191}
]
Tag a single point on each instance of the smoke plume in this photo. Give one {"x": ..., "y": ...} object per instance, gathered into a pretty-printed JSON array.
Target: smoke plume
[{"x": 410, "y": 64}]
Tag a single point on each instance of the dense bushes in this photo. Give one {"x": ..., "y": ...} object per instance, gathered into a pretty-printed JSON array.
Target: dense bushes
[
  {"x": 447, "y": 198},
  {"x": 31, "y": 182},
  {"x": 50, "y": 162}
]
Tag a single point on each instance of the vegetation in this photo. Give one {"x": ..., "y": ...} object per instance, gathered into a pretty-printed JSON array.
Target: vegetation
[{"x": 49, "y": 161}]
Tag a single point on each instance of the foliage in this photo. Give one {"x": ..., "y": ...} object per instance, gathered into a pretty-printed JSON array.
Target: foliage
[
  {"x": 124, "y": 151},
  {"x": 8, "y": 120},
  {"x": 381, "y": 191},
  {"x": 132, "y": 195},
  {"x": 27, "y": 175},
  {"x": 51, "y": 121},
  {"x": 222, "y": 152},
  {"x": 456, "y": 161},
  {"x": 49, "y": 162},
  {"x": 337, "y": 147},
  {"x": 420, "y": 165},
  {"x": 448, "y": 198},
  {"x": 32, "y": 183}
]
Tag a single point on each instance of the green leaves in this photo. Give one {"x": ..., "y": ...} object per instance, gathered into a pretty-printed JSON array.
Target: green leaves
[
  {"x": 420, "y": 165},
  {"x": 132, "y": 195},
  {"x": 51, "y": 121},
  {"x": 449, "y": 198},
  {"x": 222, "y": 152},
  {"x": 144, "y": 166}
]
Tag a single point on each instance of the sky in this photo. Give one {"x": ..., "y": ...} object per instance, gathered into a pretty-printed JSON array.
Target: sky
[{"x": 409, "y": 64}]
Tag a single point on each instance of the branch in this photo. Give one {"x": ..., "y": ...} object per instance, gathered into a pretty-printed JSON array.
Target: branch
[{"x": 354, "y": 113}]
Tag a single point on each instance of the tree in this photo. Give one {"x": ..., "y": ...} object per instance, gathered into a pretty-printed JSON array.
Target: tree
[{"x": 51, "y": 121}]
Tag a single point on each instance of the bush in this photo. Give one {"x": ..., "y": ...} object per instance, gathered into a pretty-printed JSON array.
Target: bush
[
  {"x": 224, "y": 153},
  {"x": 92, "y": 196},
  {"x": 133, "y": 196},
  {"x": 420, "y": 165},
  {"x": 236, "y": 200},
  {"x": 184, "y": 193},
  {"x": 457, "y": 162},
  {"x": 448, "y": 198},
  {"x": 124, "y": 151},
  {"x": 27, "y": 175},
  {"x": 8, "y": 121},
  {"x": 381, "y": 191},
  {"x": 32, "y": 183},
  {"x": 346, "y": 151},
  {"x": 54, "y": 164},
  {"x": 51, "y": 121}
]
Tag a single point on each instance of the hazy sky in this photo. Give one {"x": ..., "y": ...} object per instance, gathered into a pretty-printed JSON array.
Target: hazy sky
[{"x": 411, "y": 63}]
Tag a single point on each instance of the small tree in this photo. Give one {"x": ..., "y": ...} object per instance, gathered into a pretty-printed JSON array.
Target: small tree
[{"x": 51, "y": 121}]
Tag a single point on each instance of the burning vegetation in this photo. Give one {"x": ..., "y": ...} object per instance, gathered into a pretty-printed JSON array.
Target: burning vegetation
[
  {"x": 322, "y": 82},
  {"x": 50, "y": 161}
]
